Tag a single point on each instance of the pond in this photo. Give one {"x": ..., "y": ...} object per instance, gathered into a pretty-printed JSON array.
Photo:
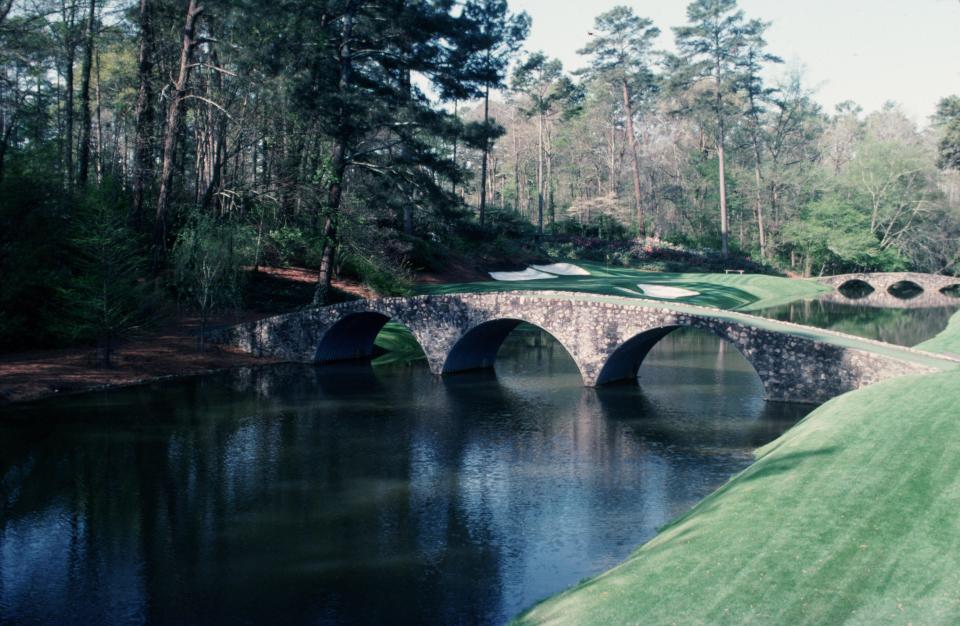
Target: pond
[
  {"x": 354, "y": 493},
  {"x": 904, "y": 327}
]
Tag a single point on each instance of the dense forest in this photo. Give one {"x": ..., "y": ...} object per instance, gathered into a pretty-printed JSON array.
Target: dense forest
[{"x": 154, "y": 155}]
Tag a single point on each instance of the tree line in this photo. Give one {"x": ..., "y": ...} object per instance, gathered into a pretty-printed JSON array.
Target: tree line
[
  {"x": 154, "y": 152},
  {"x": 700, "y": 146}
]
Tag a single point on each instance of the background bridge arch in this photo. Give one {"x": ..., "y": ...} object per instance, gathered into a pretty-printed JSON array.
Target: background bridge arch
[{"x": 936, "y": 289}]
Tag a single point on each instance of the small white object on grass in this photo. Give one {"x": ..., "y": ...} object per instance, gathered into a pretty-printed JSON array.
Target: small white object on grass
[
  {"x": 527, "y": 274},
  {"x": 562, "y": 269},
  {"x": 662, "y": 291}
]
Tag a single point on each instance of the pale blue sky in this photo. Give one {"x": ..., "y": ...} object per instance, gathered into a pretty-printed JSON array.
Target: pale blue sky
[{"x": 869, "y": 51}]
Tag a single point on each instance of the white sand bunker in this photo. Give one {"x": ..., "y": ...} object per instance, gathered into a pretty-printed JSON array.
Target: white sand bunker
[
  {"x": 562, "y": 269},
  {"x": 662, "y": 291},
  {"x": 527, "y": 274}
]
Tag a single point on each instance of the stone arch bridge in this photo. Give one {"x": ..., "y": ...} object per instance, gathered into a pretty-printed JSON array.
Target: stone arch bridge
[
  {"x": 933, "y": 287},
  {"x": 607, "y": 337}
]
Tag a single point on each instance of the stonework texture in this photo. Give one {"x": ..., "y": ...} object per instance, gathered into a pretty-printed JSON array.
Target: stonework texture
[
  {"x": 606, "y": 339},
  {"x": 882, "y": 281}
]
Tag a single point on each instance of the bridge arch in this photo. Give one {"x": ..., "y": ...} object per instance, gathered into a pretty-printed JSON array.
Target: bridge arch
[
  {"x": 856, "y": 289},
  {"x": 625, "y": 361},
  {"x": 353, "y": 336},
  {"x": 905, "y": 289},
  {"x": 794, "y": 364},
  {"x": 477, "y": 348},
  {"x": 952, "y": 291}
]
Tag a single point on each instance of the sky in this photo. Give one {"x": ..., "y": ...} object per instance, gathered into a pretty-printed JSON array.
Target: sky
[{"x": 868, "y": 51}]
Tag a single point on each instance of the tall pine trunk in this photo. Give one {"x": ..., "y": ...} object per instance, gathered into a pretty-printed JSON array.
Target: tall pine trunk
[
  {"x": 338, "y": 163},
  {"x": 540, "y": 175},
  {"x": 69, "y": 18},
  {"x": 143, "y": 142},
  {"x": 758, "y": 179},
  {"x": 486, "y": 155},
  {"x": 548, "y": 178},
  {"x": 724, "y": 221},
  {"x": 456, "y": 137},
  {"x": 172, "y": 130},
  {"x": 634, "y": 160},
  {"x": 86, "y": 113},
  {"x": 516, "y": 166}
]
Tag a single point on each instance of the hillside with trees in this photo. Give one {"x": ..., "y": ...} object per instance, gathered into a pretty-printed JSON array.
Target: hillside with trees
[{"x": 155, "y": 155}]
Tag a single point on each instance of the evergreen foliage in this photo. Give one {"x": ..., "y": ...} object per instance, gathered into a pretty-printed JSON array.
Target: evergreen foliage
[
  {"x": 102, "y": 301},
  {"x": 373, "y": 140}
]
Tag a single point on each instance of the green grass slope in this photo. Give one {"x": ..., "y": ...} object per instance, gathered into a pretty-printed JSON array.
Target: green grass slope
[
  {"x": 850, "y": 517},
  {"x": 724, "y": 291},
  {"x": 948, "y": 341}
]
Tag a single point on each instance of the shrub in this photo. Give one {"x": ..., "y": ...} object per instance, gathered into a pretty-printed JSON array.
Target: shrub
[{"x": 208, "y": 266}]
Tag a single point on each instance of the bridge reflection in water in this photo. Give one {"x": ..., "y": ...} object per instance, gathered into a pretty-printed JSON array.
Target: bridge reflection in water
[{"x": 358, "y": 494}]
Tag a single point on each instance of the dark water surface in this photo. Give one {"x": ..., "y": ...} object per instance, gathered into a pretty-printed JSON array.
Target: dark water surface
[
  {"x": 904, "y": 327},
  {"x": 358, "y": 494}
]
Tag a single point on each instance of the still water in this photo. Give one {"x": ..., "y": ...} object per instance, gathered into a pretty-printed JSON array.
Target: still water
[
  {"x": 358, "y": 494},
  {"x": 904, "y": 327}
]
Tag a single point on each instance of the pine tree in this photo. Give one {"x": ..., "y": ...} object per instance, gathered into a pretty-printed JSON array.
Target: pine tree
[
  {"x": 549, "y": 93},
  {"x": 713, "y": 49},
  {"x": 621, "y": 49},
  {"x": 102, "y": 301},
  {"x": 494, "y": 35}
]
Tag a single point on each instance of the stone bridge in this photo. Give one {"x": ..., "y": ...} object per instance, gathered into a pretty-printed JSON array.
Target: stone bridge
[
  {"x": 607, "y": 337},
  {"x": 886, "y": 300},
  {"x": 883, "y": 281}
]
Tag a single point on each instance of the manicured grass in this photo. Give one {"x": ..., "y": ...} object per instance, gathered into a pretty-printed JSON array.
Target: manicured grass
[
  {"x": 948, "y": 341},
  {"x": 724, "y": 291},
  {"x": 744, "y": 292},
  {"x": 850, "y": 517}
]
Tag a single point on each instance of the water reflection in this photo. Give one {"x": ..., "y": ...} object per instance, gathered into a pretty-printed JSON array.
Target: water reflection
[
  {"x": 901, "y": 326},
  {"x": 359, "y": 494}
]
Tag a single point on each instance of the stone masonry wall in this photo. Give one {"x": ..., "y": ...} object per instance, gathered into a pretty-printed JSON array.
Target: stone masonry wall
[
  {"x": 791, "y": 367},
  {"x": 882, "y": 281}
]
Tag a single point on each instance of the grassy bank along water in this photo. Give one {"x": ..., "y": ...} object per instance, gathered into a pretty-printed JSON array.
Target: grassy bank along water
[
  {"x": 948, "y": 341},
  {"x": 850, "y": 517}
]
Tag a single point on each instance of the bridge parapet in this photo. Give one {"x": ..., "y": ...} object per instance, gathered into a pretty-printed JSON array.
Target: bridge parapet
[
  {"x": 607, "y": 338},
  {"x": 882, "y": 281}
]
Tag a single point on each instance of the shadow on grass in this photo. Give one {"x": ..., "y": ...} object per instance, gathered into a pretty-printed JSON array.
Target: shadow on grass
[{"x": 765, "y": 468}]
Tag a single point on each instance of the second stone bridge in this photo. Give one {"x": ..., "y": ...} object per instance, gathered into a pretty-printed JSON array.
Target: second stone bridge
[{"x": 607, "y": 338}]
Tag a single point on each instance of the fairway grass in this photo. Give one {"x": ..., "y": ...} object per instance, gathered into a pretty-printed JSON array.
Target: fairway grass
[
  {"x": 724, "y": 291},
  {"x": 743, "y": 292},
  {"x": 948, "y": 341},
  {"x": 850, "y": 517}
]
